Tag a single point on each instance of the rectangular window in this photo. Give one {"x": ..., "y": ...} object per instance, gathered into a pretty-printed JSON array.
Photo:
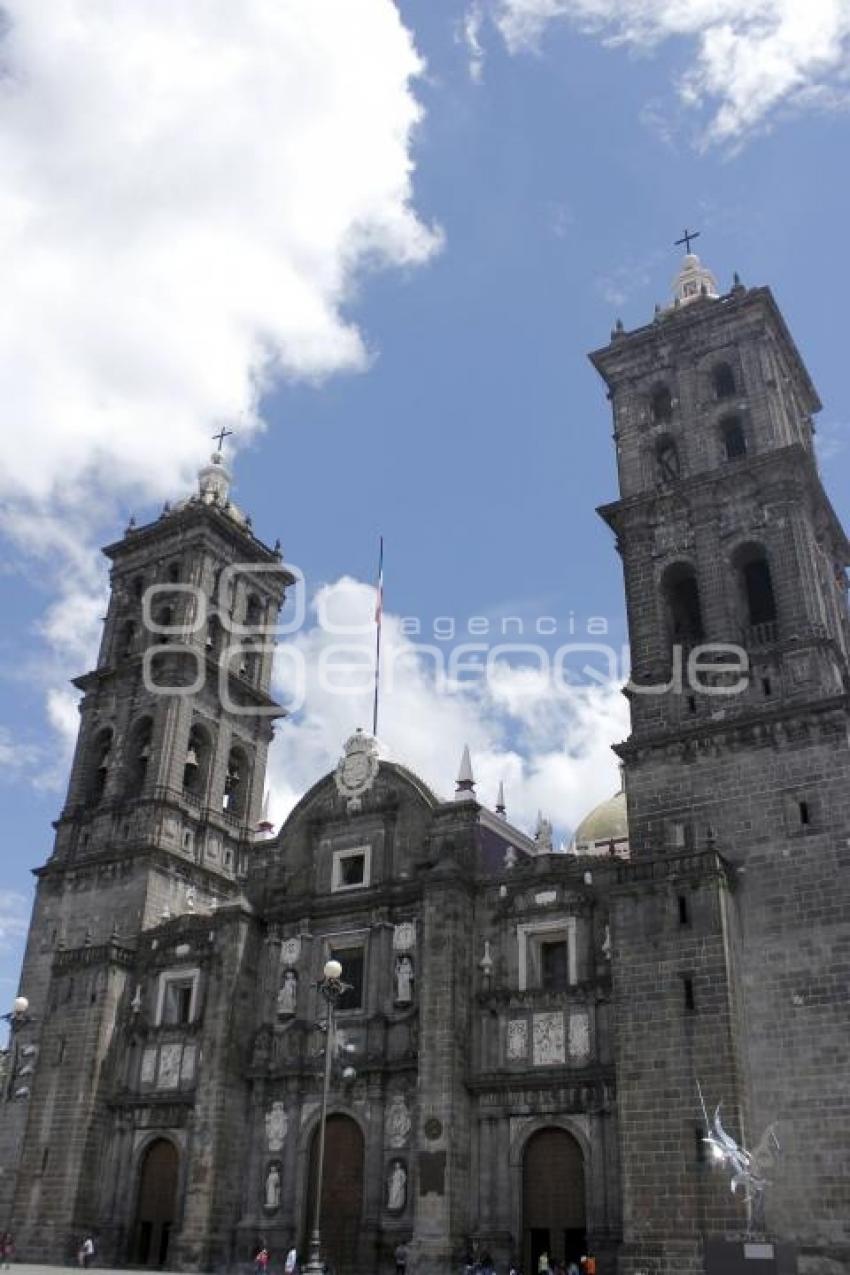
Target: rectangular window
[
  {"x": 352, "y": 960},
  {"x": 553, "y": 965},
  {"x": 351, "y": 868},
  {"x": 178, "y": 1003},
  {"x": 546, "y": 954},
  {"x": 178, "y": 997},
  {"x": 688, "y": 985},
  {"x": 684, "y": 911}
]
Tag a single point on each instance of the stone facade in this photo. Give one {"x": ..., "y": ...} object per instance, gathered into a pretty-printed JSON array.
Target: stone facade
[{"x": 524, "y": 1031}]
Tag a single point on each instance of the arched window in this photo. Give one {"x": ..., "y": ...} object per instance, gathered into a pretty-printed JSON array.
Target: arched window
[
  {"x": 100, "y": 760},
  {"x": 667, "y": 460},
  {"x": 253, "y": 609},
  {"x": 138, "y": 757},
  {"x": 681, "y": 597},
  {"x": 138, "y": 587},
  {"x": 196, "y": 766},
  {"x": 126, "y": 639},
  {"x": 723, "y": 380},
  {"x": 173, "y": 573},
  {"x": 164, "y": 617},
  {"x": 734, "y": 440},
  {"x": 249, "y": 662},
  {"x": 235, "y": 783},
  {"x": 214, "y": 636},
  {"x": 756, "y": 587},
  {"x": 661, "y": 405}
]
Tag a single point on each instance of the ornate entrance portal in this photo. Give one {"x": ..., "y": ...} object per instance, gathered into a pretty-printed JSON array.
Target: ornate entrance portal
[
  {"x": 342, "y": 1193},
  {"x": 157, "y": 1207},
  {"x": 552, "y": 1198}
]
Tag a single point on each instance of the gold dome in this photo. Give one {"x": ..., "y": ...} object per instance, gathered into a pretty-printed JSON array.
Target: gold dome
[{"x": 606, "y": 823}]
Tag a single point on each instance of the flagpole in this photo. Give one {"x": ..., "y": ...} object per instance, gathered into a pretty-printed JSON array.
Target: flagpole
[{"x": 379, "y": 611}]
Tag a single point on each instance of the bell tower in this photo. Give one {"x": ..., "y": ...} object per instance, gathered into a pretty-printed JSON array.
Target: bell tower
[
  {"x": 163, "y": 802},
  {"x": 176, "y": 718},
  {"x": 729, "y": 930}
]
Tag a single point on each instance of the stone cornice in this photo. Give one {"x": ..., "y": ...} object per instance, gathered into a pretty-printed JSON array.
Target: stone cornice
[
  {"x": 629, "y": 350},
  {"x": 761, "y": 726}
]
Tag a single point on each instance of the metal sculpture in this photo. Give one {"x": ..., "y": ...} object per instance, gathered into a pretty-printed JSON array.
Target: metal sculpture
[{"x": 748, "y": 1168}]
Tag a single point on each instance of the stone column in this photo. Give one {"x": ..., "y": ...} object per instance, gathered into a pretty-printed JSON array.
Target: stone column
[{"x": 443, "y": 1214}]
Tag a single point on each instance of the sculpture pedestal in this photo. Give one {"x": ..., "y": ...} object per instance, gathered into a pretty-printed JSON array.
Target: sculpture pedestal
[{"x": 750, "y": 1257}]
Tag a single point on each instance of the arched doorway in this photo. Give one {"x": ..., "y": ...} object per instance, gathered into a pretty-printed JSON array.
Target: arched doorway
[
  {"x": 157, "y": 1206},
  {"x": 342, "y": 1193},
  {"x": 553, "y": 1217}
]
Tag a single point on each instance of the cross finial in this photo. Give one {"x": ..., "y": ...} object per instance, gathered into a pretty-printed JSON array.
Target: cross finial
[
  {"x": 686, "y": 239},
  {"x": 221, "y": 436}
]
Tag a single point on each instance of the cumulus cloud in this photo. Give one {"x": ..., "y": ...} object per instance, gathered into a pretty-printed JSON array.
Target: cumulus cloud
[
  {"x": 191, "y": 190},
  {"x": 749, "y": 57},
  {"x": 550, "y": 743}
]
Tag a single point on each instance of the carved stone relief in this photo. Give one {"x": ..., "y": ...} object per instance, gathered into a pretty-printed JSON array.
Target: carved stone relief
[
  {"x": 548, "y": 1039},
  {"x": 517, "y": 1046}
]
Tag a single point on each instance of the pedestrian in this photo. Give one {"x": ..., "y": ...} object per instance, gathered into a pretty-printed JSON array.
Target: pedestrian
[
  {"x": 543, "y": 1264},
  {"x": 400, "y": 1256},
  {"x": 7, "y": 1249},
  {"x": 572, "y": 1269},
  {"x": 290, "y": 1265},
  {"x": 87, "y": 1252},
  {"x": 261, "y": 1260}
]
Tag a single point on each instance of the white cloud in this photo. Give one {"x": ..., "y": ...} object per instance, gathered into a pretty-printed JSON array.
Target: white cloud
[
  {"x": 16, "y": 757},
  {"x": 750, "y": 56},
  {"x": 552, "y": 749},
  {"x": 14, "y": 917},
  {"x": 473, "y": 20},
  {"x": 831, "y": 441},
  {"x": 191, "y": 189}
]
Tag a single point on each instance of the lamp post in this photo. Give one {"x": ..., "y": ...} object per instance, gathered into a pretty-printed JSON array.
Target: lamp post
[
  {"x": 18, "y": 1017},
  {"x": 331, "y": 987}
]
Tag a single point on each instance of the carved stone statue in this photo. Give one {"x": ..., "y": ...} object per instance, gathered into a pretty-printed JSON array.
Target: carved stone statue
[
  {"x": 397, "y": 1187},
  {"x": 287, "y": 997},
  {"x": 398, "y": 1122},
  {"x": 277, "y": 1123},
  {"x": 404, "y": 980},
  {"x": 271, "y": 1198}
]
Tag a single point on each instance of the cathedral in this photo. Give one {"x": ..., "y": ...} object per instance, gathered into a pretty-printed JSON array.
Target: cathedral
[{"x": 524, "y": 1035}]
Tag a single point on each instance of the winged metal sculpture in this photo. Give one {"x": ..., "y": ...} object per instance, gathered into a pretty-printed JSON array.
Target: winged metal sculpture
[{"x": 748, "y": 1168}]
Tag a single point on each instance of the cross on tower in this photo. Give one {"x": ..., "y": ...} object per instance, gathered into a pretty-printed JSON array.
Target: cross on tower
[
  {"x": 221, "y": 436},
  {"x": 686, "y": 239}
]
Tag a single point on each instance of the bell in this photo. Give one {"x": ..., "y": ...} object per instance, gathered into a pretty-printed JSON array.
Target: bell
[
  {"x": 233, "y": 776},
  {"x": 145, "y": 751},
  {"x": 191, "y": 758}
]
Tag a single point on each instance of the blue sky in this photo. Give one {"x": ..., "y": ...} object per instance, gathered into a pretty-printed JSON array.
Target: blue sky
[{"x": 402, "y": 350}]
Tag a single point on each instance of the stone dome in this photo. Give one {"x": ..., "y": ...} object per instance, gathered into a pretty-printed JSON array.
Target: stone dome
[{"x": 606, "y": 823}]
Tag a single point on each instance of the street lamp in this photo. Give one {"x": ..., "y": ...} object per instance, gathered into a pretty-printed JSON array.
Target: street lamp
[
  {"x": 331, "y": 987},
  {"x": 19, "y": 1016}
]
